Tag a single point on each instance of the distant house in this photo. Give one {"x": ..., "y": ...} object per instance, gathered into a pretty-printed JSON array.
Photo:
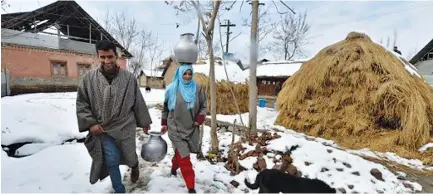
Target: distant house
[
  {"x": 152, "y": 79},
  {"x": 43, "y": 61},
  {"x": 423, "y": 61},
  {"x": 168, "y": 69},
  {"x": 271, "y": 75}
]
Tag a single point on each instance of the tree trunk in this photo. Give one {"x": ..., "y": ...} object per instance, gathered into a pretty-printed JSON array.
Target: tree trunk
[
  {"x": 198, "y": 31},
  {"x": 253, "y": 68},
  {"x": 213, "y": 132}
]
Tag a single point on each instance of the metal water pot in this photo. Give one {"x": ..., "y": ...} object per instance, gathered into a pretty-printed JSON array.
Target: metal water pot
[
  {"x": 186, "y": 51},
  {"x": 155, "y": 148}
]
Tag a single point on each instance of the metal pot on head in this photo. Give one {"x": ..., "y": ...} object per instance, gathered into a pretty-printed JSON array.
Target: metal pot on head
[
  {"x": 155, "y": 148},
  {"x": 186, "y": 51}
]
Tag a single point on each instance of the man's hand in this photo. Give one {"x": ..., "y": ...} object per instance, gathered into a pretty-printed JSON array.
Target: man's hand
[
  {"x": 146, "y": 130},
  {"x": 164, "y": 129},
  {"x": 96, "y": 129}
]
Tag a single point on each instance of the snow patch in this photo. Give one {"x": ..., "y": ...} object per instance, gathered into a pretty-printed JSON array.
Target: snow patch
[
  {"x": 426, "y": 147},
  {"x": 57, "y": 169}
]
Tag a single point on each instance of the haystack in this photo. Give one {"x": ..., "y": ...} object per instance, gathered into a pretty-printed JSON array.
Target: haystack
[
  {"x": 361, "y": 95},
  {"x": 225, "y": 102}
]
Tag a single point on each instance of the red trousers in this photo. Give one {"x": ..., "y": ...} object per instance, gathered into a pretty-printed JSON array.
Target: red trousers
[{"x": 185, "y": 166}]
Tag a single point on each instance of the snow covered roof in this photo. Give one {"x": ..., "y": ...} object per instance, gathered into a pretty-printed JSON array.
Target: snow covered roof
[
  {"x": 422, "y": 53},
  {"x": 278, "y": 68},
  {"x": 152, "y": 73},
  {"x": 235, "y": 73}
]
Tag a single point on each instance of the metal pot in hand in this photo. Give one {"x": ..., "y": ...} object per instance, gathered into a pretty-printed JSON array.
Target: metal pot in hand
[
  {"x": 155, "y": 148},
  {"x": 186, "y": 51}
]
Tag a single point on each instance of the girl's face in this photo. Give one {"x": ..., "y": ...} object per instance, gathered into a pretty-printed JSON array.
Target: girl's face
[{"x": 187, "y": 76}]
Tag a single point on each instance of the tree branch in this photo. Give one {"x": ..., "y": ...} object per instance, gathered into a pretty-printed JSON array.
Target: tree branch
[
  {"x": 231, "y": 6},
  {"x": 214, "y": 13},
  {"x": 287, "y": 7},
  {"x": 235, "y": 36},
  {"x": 200, "y": 15},
  {"x": 278, "y": 11}
]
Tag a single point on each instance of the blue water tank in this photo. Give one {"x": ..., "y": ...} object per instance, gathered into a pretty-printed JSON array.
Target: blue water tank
[{"x": 262, "y": 102}]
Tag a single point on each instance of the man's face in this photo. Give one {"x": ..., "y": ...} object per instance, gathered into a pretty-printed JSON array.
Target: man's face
[{"x": 107, "y": 59}]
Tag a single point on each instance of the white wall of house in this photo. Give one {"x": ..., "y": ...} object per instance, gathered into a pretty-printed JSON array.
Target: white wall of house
[{"x": 425, "y": 69}]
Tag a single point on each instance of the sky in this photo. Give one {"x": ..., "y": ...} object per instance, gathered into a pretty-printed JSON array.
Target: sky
[{"x": 330, "y": 21}]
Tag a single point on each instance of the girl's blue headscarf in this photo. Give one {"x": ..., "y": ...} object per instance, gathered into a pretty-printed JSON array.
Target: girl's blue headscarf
[{"x": 187, "y": 90}]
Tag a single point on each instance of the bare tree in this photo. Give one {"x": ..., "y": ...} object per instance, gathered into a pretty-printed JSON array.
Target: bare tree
[
  {"x": 208, "y": 30},
  {"x": 123, "y": 28},
  {"x": 207, "y": 14},
  {"x": 291, "y": 36},
  {"x": 387, "y": 41},
  {"x": 132, "y": 37},
  {"x": 155, "y": 53},
  {"x": 202, "y": 48},
  {"x": 142, "y": 43},
  {"x": 266, "y": 25},
  {"x": 395, "y": 38},
  {"x": 5, "y": 5}
]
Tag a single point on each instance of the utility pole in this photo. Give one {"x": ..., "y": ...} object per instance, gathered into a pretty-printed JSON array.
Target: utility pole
[
  {"x": 253, "y": 71},
  {"x": 228, "y": 25}
]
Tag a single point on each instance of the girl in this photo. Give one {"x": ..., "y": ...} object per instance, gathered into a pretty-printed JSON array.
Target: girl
[{"x": 184, "y": 110}]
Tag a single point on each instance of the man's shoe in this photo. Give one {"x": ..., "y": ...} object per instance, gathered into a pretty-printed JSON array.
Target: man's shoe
[
  {"x": 135, "y": 173},
  {"x": 191, "y": 191}
]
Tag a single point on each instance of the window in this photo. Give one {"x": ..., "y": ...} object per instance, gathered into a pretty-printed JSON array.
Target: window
[
  {"x": 82, "y": 68},
  {"x": 58, "y": 68}
]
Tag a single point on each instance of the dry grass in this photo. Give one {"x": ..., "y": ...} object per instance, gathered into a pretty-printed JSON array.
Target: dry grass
[
  {"x": 225, "y": 101},
  {"x": 359, "y": 94}
]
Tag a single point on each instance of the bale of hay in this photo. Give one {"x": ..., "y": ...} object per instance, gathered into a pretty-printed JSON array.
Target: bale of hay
[
  {"x": 225, "y": 102},
  {"x": 359, "y": 94}
]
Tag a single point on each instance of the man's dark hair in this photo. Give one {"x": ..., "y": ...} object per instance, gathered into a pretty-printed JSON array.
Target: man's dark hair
[{"x": 105, "y": 45}]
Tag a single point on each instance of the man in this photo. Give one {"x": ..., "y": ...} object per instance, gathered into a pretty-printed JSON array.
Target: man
[{"x": 110, "y": 106}]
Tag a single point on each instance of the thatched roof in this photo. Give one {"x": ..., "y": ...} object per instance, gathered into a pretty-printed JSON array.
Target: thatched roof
[{"x": 361, "y": 95}]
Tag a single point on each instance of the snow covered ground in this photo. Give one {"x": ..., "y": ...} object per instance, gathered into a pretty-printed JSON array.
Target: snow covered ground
[
  {"x": 47, "y": 118},
  {"x": 266, "y": 120},
  {"x": 68, "y": 165}
]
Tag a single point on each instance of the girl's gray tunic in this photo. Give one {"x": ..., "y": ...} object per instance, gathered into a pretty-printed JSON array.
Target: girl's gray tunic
[{"x": 184, "y": 136}]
